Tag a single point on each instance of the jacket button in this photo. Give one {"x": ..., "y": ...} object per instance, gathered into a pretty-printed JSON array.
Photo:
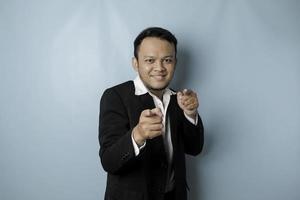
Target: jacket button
[{"x": 164, "y": 166}]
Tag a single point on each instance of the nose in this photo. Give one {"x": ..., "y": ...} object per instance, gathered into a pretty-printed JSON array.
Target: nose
[{"x": 160, "y": 66}]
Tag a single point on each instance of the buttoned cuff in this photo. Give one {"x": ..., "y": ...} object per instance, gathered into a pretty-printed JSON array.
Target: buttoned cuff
[
  {"x": 192, "y": 120},
  {"x": 136, "y": 148}
]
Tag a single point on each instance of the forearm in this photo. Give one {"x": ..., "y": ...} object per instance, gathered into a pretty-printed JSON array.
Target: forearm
[
  {"x": 116, "y": 149},
  {"x": 118, "y": 155},
  {"x": 193, "y": 136}
]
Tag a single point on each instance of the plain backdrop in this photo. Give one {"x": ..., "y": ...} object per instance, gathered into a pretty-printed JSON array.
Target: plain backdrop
[{"x": 242, "y": 57}]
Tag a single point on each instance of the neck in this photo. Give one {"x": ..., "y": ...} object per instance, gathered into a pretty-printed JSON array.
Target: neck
[{"x": 158, "y": 93}]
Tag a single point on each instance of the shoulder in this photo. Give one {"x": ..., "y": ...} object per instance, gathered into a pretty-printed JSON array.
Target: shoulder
[
  {"x": 128, "y": 85},
  {"x": 122, "y": 90},
  {"x": 174, "y": 91}
]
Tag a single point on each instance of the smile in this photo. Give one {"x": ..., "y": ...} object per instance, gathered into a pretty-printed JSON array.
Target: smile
[{"x": 158, "y": 77}]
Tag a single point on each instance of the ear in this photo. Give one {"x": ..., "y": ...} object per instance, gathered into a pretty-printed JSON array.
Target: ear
[{"x": 135, "y": 63}]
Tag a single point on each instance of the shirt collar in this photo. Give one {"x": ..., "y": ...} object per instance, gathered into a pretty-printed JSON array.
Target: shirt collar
[{"x": 141, "y": 89}]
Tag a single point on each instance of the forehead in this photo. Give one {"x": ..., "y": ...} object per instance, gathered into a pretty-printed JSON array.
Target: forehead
[{"x": 153, "y": 45}]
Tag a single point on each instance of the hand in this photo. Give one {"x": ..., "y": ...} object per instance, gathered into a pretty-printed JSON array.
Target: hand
[
  {"x": 188, "y": 102},
  {"x": 150, "y": 126}
]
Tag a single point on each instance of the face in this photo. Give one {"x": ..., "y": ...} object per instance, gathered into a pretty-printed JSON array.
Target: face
[{"x": 155, "y": 64}]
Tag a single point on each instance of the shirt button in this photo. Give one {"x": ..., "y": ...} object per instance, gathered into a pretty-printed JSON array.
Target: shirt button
[{"x": 163, "y": 165}]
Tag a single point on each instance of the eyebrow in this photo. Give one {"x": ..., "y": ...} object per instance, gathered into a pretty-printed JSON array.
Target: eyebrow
[{"x": 168, "y": 56}]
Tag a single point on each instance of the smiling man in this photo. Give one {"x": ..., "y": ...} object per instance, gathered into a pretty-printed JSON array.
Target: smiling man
[{"x": 145, "y": 128}]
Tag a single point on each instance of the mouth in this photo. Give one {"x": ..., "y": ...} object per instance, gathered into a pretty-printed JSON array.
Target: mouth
[{"x": 159, "y": 77}]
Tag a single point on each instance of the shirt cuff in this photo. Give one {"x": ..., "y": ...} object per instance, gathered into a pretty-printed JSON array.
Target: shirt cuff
[
  {"x": 192, "y": 120},
  {"x": 136, "y": 148}
]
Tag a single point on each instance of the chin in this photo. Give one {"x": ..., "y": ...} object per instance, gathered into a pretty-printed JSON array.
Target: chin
[
  {"x": 159, "y": 88},
  {"x": 157, "y": 85}
]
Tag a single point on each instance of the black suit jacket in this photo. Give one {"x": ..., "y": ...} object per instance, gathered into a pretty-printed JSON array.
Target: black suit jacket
[{"x": 131, "y": 177}]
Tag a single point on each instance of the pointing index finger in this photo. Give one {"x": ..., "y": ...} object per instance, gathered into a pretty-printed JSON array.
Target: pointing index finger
[{"x": 187, "y": 92}]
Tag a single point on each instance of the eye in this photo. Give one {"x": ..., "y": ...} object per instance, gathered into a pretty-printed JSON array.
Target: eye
[
  {"x": 168, "y": 60},
  {"x": 149, "y": 60}
]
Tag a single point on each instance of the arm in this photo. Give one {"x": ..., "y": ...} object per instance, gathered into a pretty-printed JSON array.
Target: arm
[
  {"x": 193, "y": 136},
  {"x": 116, "y": 148}
]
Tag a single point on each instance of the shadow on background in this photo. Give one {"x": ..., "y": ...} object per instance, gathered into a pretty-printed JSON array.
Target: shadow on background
[
  {"x": 183, "y": 69},
  {"x": 183, "y": 75}
]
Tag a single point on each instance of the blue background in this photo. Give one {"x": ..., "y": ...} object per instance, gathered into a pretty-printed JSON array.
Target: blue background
[{"x": 242, "y": 58}]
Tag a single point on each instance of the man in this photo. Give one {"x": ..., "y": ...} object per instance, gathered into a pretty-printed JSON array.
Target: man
[{"x": 145, "y": 129}]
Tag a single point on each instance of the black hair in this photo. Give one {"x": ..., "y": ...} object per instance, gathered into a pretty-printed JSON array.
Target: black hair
[{"x": 157, "y": 32}]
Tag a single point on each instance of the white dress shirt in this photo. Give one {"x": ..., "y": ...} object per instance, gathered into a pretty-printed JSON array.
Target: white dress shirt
[{"x": 140, "y": 89}]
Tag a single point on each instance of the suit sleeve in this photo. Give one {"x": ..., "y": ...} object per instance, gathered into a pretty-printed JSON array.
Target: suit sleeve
[
  {"x": 116, "y": 148},
  {"x": 193, "y": 136}
]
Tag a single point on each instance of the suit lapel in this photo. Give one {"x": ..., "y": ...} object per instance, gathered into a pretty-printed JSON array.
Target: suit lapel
[
  {"x": 173, "y": 115},
  {"x": 146, "y": 101}
]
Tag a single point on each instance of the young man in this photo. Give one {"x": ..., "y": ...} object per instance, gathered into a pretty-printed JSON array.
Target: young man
[{"x": 145, "y": 129}]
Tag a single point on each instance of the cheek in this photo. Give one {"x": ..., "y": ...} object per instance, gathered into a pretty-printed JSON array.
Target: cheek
[
  {"x": 146, "y": 69},
  {"x": 171, "y": 69}
]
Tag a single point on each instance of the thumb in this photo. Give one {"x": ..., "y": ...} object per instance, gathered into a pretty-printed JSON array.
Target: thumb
[
  {"x": 156, "y": 111},
  {"x": 179, "y": 94},
  {"x": 179, "y": 99},
  {"x": 146, "y": 113}
]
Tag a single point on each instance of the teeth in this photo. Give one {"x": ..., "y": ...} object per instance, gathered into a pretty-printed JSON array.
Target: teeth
[{"x": 158, "y": 77}]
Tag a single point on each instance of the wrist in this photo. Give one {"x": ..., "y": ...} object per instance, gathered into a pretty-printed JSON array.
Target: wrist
[
  {"x": 137, "y": 137},
  {"x": 192, "y": 115}
]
